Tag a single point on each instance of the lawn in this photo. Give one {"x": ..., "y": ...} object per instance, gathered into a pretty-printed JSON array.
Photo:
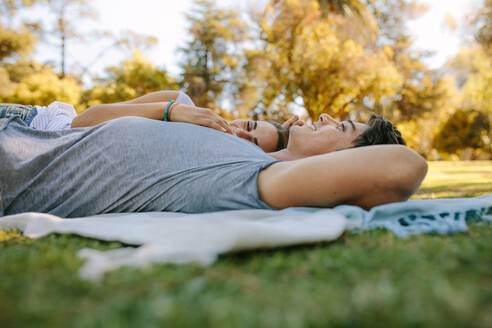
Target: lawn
[{"x": 371, "y": 279}]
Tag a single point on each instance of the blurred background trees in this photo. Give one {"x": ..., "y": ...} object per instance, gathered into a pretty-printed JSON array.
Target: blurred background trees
[{"x": 347, "y": 58}]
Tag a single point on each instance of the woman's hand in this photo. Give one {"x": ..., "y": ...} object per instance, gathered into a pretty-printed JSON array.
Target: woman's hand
[
  {"x": 200, "y": 116},
  {"x": 294, "y": 120}
]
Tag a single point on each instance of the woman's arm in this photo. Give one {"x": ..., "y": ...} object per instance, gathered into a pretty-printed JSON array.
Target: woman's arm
[
  {"x": 179, "y": 113},
  {"x": 105, "y": 112},
  {"x": 158, "y": 96},
  {"x": 151, "y": 105},
  {"x": 366, "y": 177}
]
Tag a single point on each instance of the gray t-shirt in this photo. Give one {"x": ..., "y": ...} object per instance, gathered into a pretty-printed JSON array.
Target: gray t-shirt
[{"x": 130, "y": 164}]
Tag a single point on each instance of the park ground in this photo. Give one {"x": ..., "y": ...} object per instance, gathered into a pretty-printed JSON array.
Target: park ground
[{"x": 372, "y": 279}]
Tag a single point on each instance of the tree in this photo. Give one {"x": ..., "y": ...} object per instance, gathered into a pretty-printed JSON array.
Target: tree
[
  {"x": 305, "y": 60},
  {"x": 422, "y": 90},
  {"x": 212, "y": 54},
  {"x": 16, "y": 38},
  {"x": 132, "y": 78},
  {"x": 126, "y": 41},
  {"x": 473, "y": 66},
  {"x": 35, "y": 84},
  {"x": 69, "y": 14},
  {"x": 477, "y": 90},
  {"x": 420, "y": 130},
  {"x": 465, "y": 129},
  {"x": 481, "y": 26},
  {"x": 25, "y": 81},
  {"x": 13, "y": 42}
]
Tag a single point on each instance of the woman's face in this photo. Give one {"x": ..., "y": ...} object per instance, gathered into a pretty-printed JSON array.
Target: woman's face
[{"x": 262, "y": 133}]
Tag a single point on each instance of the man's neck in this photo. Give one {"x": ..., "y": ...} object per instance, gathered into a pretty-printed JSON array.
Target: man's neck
[{"x": 285, "y": 155}]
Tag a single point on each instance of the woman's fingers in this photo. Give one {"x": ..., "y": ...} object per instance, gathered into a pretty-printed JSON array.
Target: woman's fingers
[
  {"x": 218, "y": 123},
  {"x": 216, "y": 126},
  {"x": 225, "y": 125},
  {"x": 244, "y": 134},
  {"x": 201, "y": 116},
  {"x": 287, "y": 124}
]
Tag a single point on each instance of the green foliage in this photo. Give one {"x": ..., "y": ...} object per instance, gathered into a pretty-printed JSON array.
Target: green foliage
[
  {"x": 42, "y": 88},
  {"x": 15, "y": 39},
  {"x": 464, "y": 129},
  {"x": 472, "y": 131},
  {"x": 210, "y": 57},
  {"x": 14, "y": 42},
  {"x": 23, "y": 68},
  {"x": 480, "y": 23},
  {"x": 391, "y": 17},
  {"x": 305, "y": 59},
  {"x": 422, "y": 108},
  {"x": 426, "y": 96},
  {"x": 131, "y": 79},
  {"x": 477, "y": 89}
]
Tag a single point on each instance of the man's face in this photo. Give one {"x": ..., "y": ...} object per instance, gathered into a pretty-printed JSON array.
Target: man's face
[
  {"x": 262, "y": 133},
  {"x": 324, "y": 136}
]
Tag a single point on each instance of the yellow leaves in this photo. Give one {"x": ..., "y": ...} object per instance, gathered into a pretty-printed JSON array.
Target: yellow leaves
[
  {"x": 44, "y": 87},
  {"x": 6, "y": 87},
  {"x": 230, "y": 61},
  {"x": 16, "y": 42},
  {"x": 308, "y": 56},
  {"x": 388, "y": 51},
  {"x": 134, "y": 77},
  {"x": 478, "y": 87}
]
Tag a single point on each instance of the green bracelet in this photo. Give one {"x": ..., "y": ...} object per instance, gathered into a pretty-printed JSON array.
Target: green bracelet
[{"x": 167, "y": 110}]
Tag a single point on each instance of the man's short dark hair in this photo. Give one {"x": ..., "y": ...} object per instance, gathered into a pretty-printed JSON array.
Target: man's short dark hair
[
  {"x": 283, "y": 135},
  {"x": 380, "y": 132}
]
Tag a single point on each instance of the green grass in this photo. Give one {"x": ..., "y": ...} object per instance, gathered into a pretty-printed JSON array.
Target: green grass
[
  {"x": 373, "y": 279},
  {"x": 457, "y": 179}
]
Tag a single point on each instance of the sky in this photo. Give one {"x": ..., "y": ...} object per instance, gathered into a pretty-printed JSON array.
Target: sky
[{"x": 165, "y": 19}]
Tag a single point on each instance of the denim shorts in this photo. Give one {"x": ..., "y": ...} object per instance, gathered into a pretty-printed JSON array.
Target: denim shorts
[{"x": 24, "y": 112}]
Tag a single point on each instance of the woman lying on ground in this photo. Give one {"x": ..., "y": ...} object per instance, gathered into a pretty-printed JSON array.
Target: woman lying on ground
[
  {"x": 269, "y": 136},
  {"x": 134, "y": 164}
]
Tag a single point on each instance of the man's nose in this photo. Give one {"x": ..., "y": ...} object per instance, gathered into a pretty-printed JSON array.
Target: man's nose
[{"x": 327, "y": 119}]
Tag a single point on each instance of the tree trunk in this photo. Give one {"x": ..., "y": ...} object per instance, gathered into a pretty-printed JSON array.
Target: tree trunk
[{"x": 62, "y": 73}]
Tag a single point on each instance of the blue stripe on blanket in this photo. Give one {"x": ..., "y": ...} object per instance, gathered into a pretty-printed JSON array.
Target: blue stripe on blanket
[{"x": 441, "y": 216}]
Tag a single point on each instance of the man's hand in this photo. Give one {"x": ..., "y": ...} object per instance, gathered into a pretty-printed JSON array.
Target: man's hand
[{"x": 200, "y": 116}]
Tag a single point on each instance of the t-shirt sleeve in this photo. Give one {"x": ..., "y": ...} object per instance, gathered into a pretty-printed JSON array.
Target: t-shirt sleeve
[
  {"x": 60, "y": 116},
  {"x": 183, "y": 98}
]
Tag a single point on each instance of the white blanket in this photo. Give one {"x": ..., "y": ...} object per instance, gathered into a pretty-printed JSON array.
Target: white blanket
[{"x": 166, "y": 237}]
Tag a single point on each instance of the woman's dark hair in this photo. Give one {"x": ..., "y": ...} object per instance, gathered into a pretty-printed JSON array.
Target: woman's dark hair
[
  {"x": 283, "y": 135},
  {"x": 380, "y": 132}
]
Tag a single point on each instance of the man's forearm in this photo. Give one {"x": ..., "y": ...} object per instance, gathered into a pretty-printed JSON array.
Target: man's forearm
[{"x": 102, "y": 113}]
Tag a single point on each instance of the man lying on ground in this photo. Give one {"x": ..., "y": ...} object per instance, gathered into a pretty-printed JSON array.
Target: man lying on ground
[{"x": 134, "y": 164}]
